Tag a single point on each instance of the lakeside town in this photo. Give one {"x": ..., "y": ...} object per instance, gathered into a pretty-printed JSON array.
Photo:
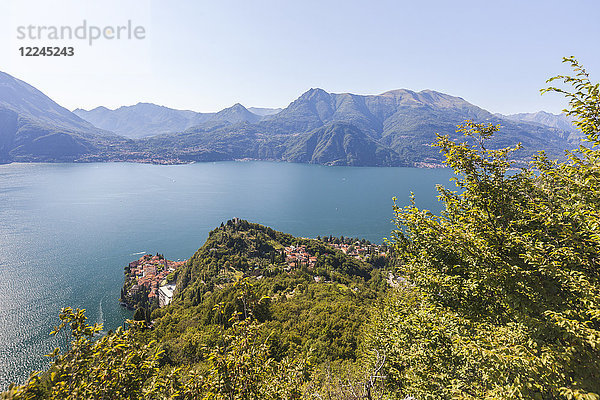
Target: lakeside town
[{"x": 149, "y": 279}]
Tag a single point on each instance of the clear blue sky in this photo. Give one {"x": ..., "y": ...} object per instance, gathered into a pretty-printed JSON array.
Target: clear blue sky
[{"x": 205, "y": 56}]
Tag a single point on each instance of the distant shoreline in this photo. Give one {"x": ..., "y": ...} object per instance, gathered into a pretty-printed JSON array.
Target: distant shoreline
[{"x": 421, "y": 165}]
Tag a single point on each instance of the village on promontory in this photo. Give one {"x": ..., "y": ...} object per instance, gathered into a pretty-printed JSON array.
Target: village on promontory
[{"x": 150, "y": 280}]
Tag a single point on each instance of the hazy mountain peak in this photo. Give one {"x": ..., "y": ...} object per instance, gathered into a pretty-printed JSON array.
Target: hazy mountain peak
[
  {"x": 397, "y": 93},
  {"x": 238, "y": 106},
  {"x": 235, "y": 114},
  {"x": 149, "y": 106},
  {"x": 426, "y": 97},
  {"x": 314, "y": 94},
  {"x": 99, "y": 108},
  {"x": 558, "y": 121}
]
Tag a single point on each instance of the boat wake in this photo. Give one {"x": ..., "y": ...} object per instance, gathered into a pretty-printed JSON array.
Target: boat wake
[{"x": 100, "y": 320}]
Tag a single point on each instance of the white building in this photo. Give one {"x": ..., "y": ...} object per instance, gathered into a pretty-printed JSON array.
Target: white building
[{"x": 165, "y": 294}]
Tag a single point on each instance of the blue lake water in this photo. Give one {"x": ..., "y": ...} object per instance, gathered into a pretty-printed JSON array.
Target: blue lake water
[{"x": 67, "y": 230}]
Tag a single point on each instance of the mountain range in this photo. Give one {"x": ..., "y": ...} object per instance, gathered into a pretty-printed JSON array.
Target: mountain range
[
  {"x": 394, "y": 128},
  {"x": 147, "y": 119}
]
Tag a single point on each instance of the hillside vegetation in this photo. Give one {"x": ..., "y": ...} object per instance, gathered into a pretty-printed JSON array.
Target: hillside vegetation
[{"x": 315, "y": 311}]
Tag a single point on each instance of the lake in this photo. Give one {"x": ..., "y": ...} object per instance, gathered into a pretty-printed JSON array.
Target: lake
[{"x": 67, "y": 230}]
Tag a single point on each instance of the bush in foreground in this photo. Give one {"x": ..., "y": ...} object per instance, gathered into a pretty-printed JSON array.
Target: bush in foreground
[{"x": 503, "y": 299}]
